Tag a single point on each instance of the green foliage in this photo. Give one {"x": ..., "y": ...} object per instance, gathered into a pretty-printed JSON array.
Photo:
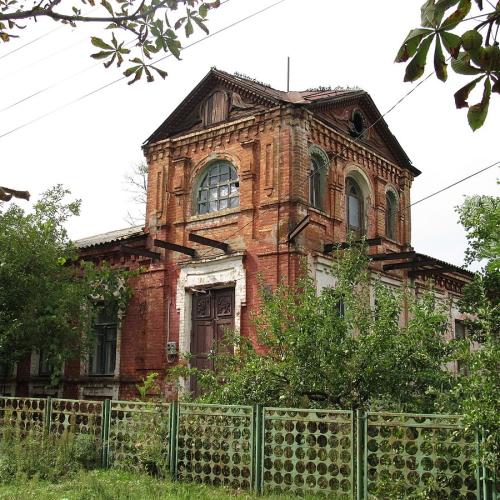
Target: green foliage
[
  {"x": 42, "y": 456},
  {"x": 148, "y": 21},
  {"x": 314, "y": 356},
  {"x": 470, "y": 52},
  {"x": 46, "y": 294},
  {"x": 148, "y": 386},
  {"x": 120, "y": 485},
  {"x": 477, "y": 393},
  {"x": 480, "y": 217}
]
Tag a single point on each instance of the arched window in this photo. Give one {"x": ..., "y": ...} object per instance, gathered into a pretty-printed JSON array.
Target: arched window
[
  {"x": 391, "y": 208},
  {"x": 355, "y": 208},
  {"x": 219, "y": 188},
  {"x": 315, "y": 183},
  {"x": 318, "y": 172}
]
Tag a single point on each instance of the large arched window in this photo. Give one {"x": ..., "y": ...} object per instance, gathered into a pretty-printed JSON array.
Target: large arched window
[
  {"x": 355, "y": 208},
  {"x": 391, "y": 209},
  {"x": 218, "y": 189}
]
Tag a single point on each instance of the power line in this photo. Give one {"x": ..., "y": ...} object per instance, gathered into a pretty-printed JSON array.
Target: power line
[
  {"x": 454, "y": 184},
  {"x": 31, "y": 42},
  {"x": 95, "y": 91},
  {"x": 39, "y": 38}
]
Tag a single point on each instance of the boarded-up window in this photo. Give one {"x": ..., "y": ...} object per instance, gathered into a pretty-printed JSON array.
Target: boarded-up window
[{"x": 215, "y": 109}]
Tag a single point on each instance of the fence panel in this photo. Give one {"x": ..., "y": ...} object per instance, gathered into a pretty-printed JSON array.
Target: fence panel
[
  {"x": 411, "y": 449},
  {"x": 308, "y": 451},
  {"x": 215, "y": 444},
  {"x": 139, "y": 436},
  {"x": 23, "y": 415},
  {"x": 74, "y": 416}
]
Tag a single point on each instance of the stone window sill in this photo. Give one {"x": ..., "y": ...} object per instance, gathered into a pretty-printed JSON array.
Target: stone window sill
[{"x": 214, "y": 215}]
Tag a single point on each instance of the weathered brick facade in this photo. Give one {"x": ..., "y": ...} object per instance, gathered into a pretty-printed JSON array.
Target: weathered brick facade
[{"x": 269, "y": 137}]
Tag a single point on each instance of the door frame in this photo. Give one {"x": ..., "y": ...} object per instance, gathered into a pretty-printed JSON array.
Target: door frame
[{"x": 221, "y": 272}]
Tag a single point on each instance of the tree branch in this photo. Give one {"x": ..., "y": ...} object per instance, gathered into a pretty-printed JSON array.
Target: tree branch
[{"x": 48, "y": 12}]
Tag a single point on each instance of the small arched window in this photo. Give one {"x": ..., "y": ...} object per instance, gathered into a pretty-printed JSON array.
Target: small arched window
[
  {"x": 391, "y": 208},
  {"x": 219, "y": 188},
  {"x": 355, "y": 208}
]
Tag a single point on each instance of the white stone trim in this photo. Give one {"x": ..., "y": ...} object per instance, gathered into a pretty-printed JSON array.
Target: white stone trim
[{"x": 222, "y": 271}]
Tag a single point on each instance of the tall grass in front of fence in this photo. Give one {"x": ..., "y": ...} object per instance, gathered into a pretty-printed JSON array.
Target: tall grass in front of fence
[{"x": 45, "y": 456}]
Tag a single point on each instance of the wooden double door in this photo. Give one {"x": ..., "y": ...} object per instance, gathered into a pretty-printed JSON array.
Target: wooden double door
[{"x": 212, "y": 315}]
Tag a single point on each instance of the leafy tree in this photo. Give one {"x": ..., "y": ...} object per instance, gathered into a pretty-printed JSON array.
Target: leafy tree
[
  {"x": 471, "y": 53},
  {"x": 477, "y": 394},
  {"x": 136, "y": 182},
  {"x": 153, "y": 25},
  {"x": 45, "y": 294},
  {"x": 335, "y": 349}
]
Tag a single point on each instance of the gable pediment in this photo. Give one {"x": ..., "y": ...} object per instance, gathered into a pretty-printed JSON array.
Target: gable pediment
[
  {"x": 375, "y": 134},
  {"x": 216, "y": 99}
]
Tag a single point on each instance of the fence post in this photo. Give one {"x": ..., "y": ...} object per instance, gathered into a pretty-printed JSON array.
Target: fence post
[
  {"x": 360, "y": 454},
  {"x": 106, "y": 422},
  {"x": 258, "y": 448},
  {"x": 47, "y": 415},
  {"x": 174, "y": 411}
]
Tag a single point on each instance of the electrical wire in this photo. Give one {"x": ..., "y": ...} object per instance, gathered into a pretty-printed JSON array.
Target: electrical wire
[
  {"x": 95, "y": 91},
  {"x": 61, "y": 26},
  {"x": 477, "y": 172}
]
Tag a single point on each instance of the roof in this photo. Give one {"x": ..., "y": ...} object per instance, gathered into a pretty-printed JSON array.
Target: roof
[
  {"x": 110, "y": 237},
  {"x": 443, "y": 264},
  {"x": 266, "y": 95}
]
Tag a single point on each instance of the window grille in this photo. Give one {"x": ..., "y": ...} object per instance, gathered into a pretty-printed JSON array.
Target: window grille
[{"x": 219, "y": 189}]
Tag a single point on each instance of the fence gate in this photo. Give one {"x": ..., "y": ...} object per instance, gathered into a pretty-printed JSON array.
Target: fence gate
[
  {"x": 215, "y": 444},
  {"x": 410, "y": 449},
  {"x": 308, "y": 451}
]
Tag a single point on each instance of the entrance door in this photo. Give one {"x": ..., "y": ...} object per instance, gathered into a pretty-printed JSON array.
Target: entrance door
[{"x": 212, "y": 314}]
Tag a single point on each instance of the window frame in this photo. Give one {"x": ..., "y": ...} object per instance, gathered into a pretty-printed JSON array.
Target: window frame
[
  {"x": 315, "y": 184},
  {"x": 103, "y": 357},
  {"x": 203, "y": 197},
  {"x": 361, "y": 230},
  {"x": 391, "y": 211}
]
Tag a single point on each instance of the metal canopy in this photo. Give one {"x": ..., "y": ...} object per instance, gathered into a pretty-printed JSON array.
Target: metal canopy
[
  {"x": 330, "y": 247},
  {"x": 298, "y": 228},
  {"x": 208, "y": 242},
  {"x": 174, "y": 247},
  {"x": 141, "y": 252}
]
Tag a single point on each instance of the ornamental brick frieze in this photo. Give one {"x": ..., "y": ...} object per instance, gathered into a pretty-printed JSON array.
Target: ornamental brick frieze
[{"x": 349, "y": 150}]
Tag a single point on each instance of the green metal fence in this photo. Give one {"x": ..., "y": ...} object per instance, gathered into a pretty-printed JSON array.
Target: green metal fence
[
  {"x": 215, "y": 444},
  {"x": 413, "y": 449},
  {"x": 269, "y": 449},
  {"x": 23, "y": 414},
  {"x": 308, "y": 451},
  {"x": 138, "y": 436}
]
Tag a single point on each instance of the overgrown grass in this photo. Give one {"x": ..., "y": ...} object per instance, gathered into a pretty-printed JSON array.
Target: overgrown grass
[
  {"x": 120, "y": 485},
  {"x": 47, "y": 457}
]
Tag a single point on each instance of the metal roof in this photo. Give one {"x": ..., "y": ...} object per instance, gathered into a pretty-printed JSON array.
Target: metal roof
[{"x": 110, "y": 237}]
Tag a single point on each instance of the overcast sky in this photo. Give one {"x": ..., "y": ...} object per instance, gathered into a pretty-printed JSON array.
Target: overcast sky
[{"x": 90, "y": 145}]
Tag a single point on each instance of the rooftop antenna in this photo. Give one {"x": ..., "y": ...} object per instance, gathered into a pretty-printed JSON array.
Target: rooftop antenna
[{"x": 288, "y": 74}]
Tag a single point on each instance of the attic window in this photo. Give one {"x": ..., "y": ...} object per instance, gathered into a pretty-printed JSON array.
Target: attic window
[
  {"x": 215, "y": 109},
  {"x": 358, "y": 124}
]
